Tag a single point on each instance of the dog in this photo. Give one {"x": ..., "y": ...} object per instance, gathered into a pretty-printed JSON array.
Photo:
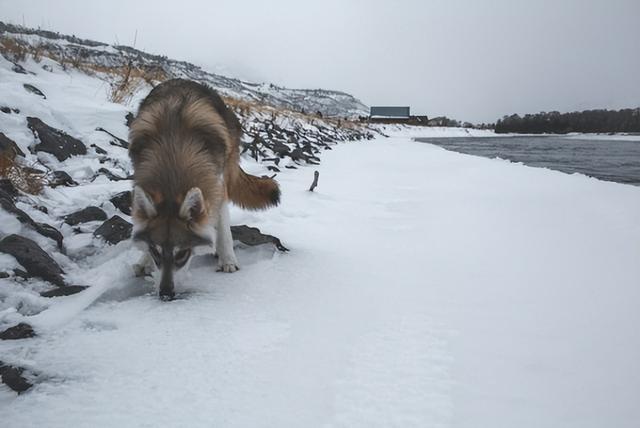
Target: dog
[{"x": 184, "y": 147}]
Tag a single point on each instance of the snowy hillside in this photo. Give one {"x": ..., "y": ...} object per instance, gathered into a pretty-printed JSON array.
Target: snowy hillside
[
  {"x": 423, "y": 288},
  {"x": 97, "y": 54}
]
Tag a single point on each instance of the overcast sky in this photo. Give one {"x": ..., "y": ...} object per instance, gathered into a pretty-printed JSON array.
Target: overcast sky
[{"x": 471, "y": 60}]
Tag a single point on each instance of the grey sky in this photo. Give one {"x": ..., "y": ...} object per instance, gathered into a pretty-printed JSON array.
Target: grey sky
[{"x": 470, "y": 60}]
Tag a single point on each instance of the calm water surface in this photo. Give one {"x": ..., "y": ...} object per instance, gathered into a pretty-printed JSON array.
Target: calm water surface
[{"x": 611, "y": 160}]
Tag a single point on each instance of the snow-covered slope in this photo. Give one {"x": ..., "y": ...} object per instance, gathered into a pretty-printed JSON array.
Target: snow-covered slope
[
  {"x": 77, "y": 104},
  {"x": 329, "y": 103}
]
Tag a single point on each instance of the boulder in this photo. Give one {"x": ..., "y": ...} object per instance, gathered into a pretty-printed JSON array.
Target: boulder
[
  {"x": 50, "y": 232},
  {"x": 252, "y": 236},
  {"x": 12, "y": 377},
  {"x": 8, "y": 188},
  {"x": 115, "y": 141},
  {"x": 99, "y": 150},
  {"x": 110, "y": 175},
  {"x": 20, "y": 331},
  {"x": 114, "y": 230},
  {"x": 34, "y": 90},
  {"x": 17, "y": 68},
  {"x": 85, "y": 215},
  {"x": 64, "y": 291},
  {"x": 55, "y": 141},
  {"x": 9, "y": 148},
  {"x": 7, "y": 203},
  {"x": 33, "y": 258},
  {"x": 61, "y": 178},
  {"x": 128, "y": 118},
  {"x": 122, "y": 201}
]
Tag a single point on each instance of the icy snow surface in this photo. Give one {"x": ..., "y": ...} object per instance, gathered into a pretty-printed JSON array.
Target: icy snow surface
[{"x": 424, "y": 288}]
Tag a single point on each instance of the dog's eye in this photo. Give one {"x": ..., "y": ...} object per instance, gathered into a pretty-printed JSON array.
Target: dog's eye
[{"x": 180, "y": 258}]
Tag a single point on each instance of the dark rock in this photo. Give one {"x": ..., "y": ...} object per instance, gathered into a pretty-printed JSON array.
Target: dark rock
[
  {"x": 33, "y": 258},
  {"x": 7, "y": 187},
  {"x": 114, "y": 230},
  {"x": 5, "y": 109},
  {"x": 110, "y": 175},
  {"x": 33, "y": 171},
  {"x": 42, "y": 209},
  {"x": 117, "y": 141},
  {"x": 64, "y": 291},
  {"x": 252, "y": 236},
  {"x": 300, "y": 154},
  {"x": 12, "y": 377},
  {"x": 48, "y": 68},
  {"x": 280, "y": 149},
  {"x": 7, "y": 203},
  {"x": 9, "y": 148},
  {"x": 61, "y": 178},
  {"x": 274, "y": 160},
  {"x": 19, "y": 69},
  {"x": 273, "y": 168},
  {"x": 122, "y": 201},
  {"x": 34, "y": 90},
  {"x": 128, "y": 119},
  {"x": 85, "y": 215},
  {"x": 20, "y": 331},
  {"x": 99, "y": 150},
  {"x": 55, "y": 141},
  {"x": 21, "y": 274},
  {"x": 291, "y": 167},
  {"x": 50, "y": 232},
  {"x": 4, "y": 275}
]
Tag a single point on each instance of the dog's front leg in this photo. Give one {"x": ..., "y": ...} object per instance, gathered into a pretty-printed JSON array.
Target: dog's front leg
[
  {"x": 144, "y": 266},
  {"x": 227, "y": 261}
]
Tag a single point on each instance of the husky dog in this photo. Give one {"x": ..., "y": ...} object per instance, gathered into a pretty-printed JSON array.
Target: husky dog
[{"x": 184, "y": 146}]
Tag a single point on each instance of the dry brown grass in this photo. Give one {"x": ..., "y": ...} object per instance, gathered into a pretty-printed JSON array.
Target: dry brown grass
[
  {"x": 36, "y": 52},
  {"x": 124, "y": 80},
  {"x": 14, "y": 50},
  {"x": 21, "y": 176},
  {"x": 127, "y": 80}
]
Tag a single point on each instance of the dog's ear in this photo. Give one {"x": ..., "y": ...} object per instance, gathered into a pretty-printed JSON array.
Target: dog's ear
[
  {"x": 142, "y": 204},
  {"x": 192, "y": 208}
]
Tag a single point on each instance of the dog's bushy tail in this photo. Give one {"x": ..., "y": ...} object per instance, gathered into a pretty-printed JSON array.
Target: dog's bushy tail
[{"x": 251, "y": 192}]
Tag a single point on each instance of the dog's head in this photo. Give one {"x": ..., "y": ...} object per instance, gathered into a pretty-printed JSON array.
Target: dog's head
[{"x": 171, "y": 229}]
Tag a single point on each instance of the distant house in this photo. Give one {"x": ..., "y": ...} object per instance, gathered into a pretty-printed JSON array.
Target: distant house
[{"x": 387, "y": 113}]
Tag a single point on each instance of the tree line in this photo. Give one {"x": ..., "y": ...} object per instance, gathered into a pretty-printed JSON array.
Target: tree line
[{"x": 592, "y": 121}]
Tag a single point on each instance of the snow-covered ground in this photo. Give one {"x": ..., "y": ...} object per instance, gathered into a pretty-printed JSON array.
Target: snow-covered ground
[
  {"x": 614, "y": 137},
  {"x": 433, "y": 131},
  {"x": 424, "y": 288}
]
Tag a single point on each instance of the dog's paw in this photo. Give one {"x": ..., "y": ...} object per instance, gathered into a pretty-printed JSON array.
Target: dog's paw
[
  {"x": 141, "y": 270},
  {"x": 227, "y": 267}
]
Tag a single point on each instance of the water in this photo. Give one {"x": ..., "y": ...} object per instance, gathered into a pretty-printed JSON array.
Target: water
[{"x": 606, "y": 159}]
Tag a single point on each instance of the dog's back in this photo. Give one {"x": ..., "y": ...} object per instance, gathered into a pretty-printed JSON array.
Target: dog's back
[{"x": 189, "y": 128}]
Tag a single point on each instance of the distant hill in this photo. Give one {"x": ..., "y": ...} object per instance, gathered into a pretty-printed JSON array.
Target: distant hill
[{"x": 328, "y": 102}]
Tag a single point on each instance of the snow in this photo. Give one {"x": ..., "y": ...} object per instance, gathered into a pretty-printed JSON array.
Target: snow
[
  {"x": 611, "y": 137},
  {"x": 423, "y": 288},
  {"x": 434, "y": 131}
]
